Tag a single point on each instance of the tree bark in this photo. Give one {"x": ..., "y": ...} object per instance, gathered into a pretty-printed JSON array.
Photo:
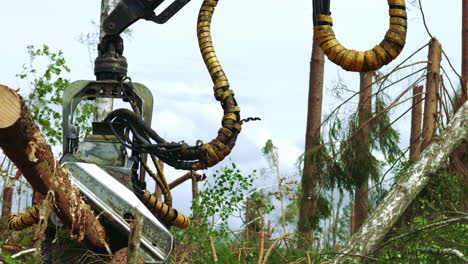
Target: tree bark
[
  {"x": 103, "y": 106},
  {"x": 432, "y": 82},
  {"x": 158, "y": 190},
  {"x": 20, "y": 190},
  {"x": 23, "y": 143},
  {"x": 7, "y": 196},
  {"x": 308, "y": 201},
  {"x": 364, "y": 112},
  {"x": 133, "y": 256},
  {"x": 416, "y": 119},
  {"x": 351, "y": 220},
  {"x": 464, "y": 51},
  {"x": 180, "y": 180},
  {"x": 196, "y": 217},
  {"x": 367, "y": 239},
  {"x": 337, "y": 218},
  {"x": 120, "y": 257},
  {"x": 248, "y": 218}
]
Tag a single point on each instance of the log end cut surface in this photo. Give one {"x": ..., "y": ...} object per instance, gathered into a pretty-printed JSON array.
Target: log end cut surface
[{"x": 10, "y": 107}]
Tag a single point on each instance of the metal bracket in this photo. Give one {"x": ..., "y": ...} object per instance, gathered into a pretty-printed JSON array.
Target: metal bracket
[{"x": 80, "y": 90}]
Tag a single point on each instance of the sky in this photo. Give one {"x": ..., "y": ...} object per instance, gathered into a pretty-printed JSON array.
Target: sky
[{"x": 264, "y": 47}]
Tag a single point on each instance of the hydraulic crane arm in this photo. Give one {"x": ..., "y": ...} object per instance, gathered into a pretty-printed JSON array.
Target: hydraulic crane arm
[{"x": 128, "y": 12}]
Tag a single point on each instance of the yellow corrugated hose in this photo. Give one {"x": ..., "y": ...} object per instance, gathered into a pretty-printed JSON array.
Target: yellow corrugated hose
[
  {"x": 165, "y": 212},
  {"x": 20, "y": 221},
  {"x": 370, "y": 60},
  {"x": 221, "y": 146}
]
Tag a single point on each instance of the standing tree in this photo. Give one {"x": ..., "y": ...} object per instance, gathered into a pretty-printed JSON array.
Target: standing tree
[
  {"x": 364, "y": 112},
  {"x": 464, "y": 51},
  {"x": 416, "y": 119},
  {"x": 432, "y": 83},
  {"x": 270, "y": 152},
  {"x": 310, "y": 177}
]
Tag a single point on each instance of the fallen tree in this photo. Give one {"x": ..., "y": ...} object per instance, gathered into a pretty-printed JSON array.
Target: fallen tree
[
  {"x": 368, "y": 238},
  {"x": 23, "y": 143}
]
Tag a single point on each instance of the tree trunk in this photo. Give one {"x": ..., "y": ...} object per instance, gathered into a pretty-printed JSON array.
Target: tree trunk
[
  {"x": 464, "y": 51},
  {"x": 196, "y": 217},
  {"x": 432, "y": 82},
  {"x": 351, "y": 220},
  {"x": 23, "y": 143},
  {"x": 367, "y": 239},
  {"x": 280, "y": 191},
  {"x": 309, "y": 177},
  {"x": 134, "y": 236},
  {"x": 361, "y": 200},
  {"x": 158, "y": 190},
  {"x": 20, "y": 192},
  {"x": 248, "y": 218},
  {"x": 7, "y": 196},
  {"x": 37, "y": 198},
  {"x": 416, "y": 118},
  {"x": 337, "y": 218},
  {"x": 103, "y": 106},
  {"x": 7, "y": 193}
]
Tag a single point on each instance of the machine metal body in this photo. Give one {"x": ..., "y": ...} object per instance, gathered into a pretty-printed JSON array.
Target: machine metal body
[
  {"x": 102, "y": 168},
  {"x": 116, "y": 203}
]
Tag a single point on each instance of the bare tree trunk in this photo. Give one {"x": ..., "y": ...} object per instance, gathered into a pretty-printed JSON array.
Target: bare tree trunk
[
  {"x": 103, "y": 106},
  {"x": 136, "y": 225},
  {"x": 432, "y": 82},
  {"x": 351, "y": 220},
  {"x": 37, "y": 197},
  {"x": 7, "y": 193},
  {"x": 416, "y": 119},
  {"x": 280, "y": 192},
  {"x": 367, "y": 239},
  {"x": 337, "y": 218},
  {"x": 309, "y": 177},
  {"x": 7, "y": 196},
  {"x": 23, "y": 143},
  {"x": 158, "y": 190},
  {"x": 361, "y": 199},
  {"x": 261, "y": 245},
  {"x": 464, "y": 51},
  {"x": 196, "y": 217},
  {"x": 20, "y": 190},
  {"x": 248, "y": 218}
]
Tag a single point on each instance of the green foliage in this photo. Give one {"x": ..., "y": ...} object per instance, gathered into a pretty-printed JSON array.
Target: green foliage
[
  {"x": 219, "y": 200},
  {"x": 47, "y": 86},
  {"x": 270, "y": 152},
  {"x": 222, "y": 197},
  {"x": 441, "y": 199},
  {"x": 358, "y": 162},
  {"x": 385, "y": 138}
]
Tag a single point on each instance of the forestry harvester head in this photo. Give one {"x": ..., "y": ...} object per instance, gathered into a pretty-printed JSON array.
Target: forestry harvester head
[{"x": 109, "y": 164}]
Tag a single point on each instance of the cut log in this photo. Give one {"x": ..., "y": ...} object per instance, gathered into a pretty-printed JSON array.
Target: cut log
[
  {"x": 404, "y": 191},
  {"x": 23, "y": 143}
]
